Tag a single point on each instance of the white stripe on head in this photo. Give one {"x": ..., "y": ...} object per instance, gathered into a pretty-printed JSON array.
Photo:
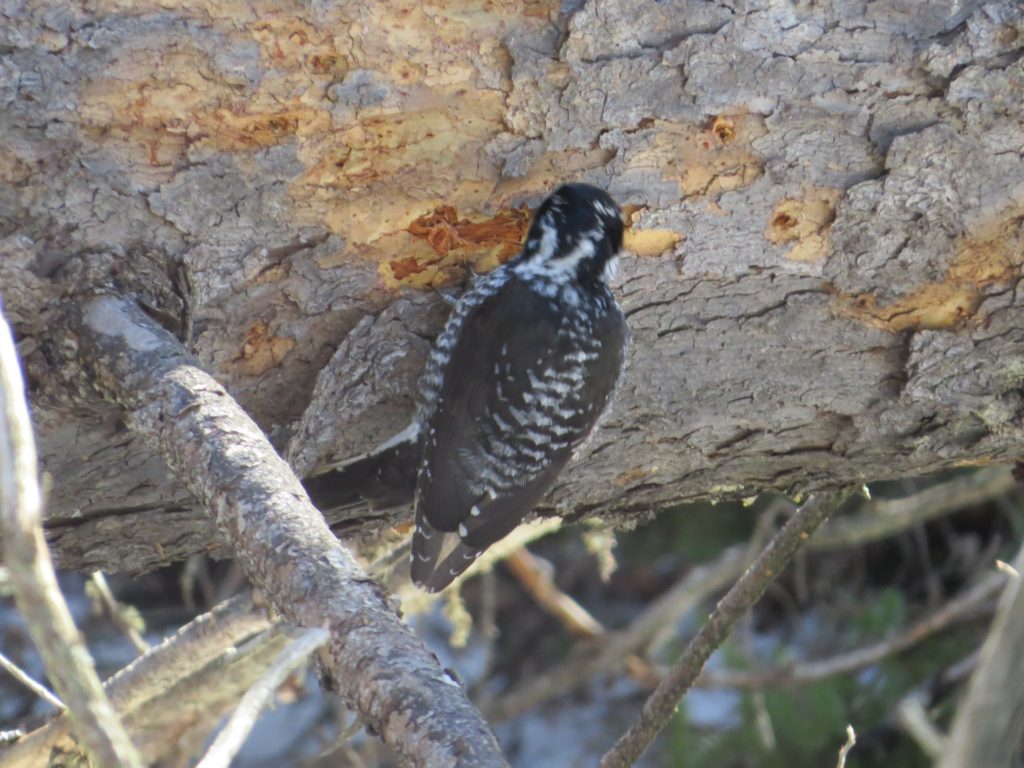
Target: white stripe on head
[{"x": 545, "y": 263}]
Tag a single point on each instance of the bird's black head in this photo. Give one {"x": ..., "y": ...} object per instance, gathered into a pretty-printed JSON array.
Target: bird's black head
[{"x": 577, "y": 231}]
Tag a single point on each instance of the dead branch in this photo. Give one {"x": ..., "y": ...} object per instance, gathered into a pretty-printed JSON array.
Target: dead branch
[
  {"x": 989, "y": 722},
  {"x": 851, "y": 741},
  {"x": 33, "y": 685},
  {"x": 188, "y": 650},
  {"x": 68, "y": 663},
  {"x": 117, "y": 611},
  {"x": 535, "y": 577},
  {"x": 617, "y": 646},
  {"x": 177, "y": 658},
  {"x": 240, "y": 725},
  {"x": 281, "y": 541},
  {"x": 882, "y": 518},
  {"x": 912, "y": 717},
  {"x": 661, "y": 705},
  {"x": 965, "y": 607},
  {"x": 874, "y": 521},
  {"x": 195, "y": 705}
]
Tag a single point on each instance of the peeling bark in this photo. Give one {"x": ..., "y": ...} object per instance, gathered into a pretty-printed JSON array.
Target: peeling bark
[{"x": 825, "y": 204}]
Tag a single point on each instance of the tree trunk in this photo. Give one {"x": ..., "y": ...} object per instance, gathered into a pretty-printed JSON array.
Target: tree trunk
[{"x": 825, "y": 205}]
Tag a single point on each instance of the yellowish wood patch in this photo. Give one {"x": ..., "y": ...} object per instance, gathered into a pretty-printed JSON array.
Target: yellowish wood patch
[
  {"x": 260, "y": 350},
  {"x": 991, "y": 255},
  {"x": 804, "y": 222}
]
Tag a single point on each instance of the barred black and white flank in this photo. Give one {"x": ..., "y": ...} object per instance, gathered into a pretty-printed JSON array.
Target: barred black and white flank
[{"x": 516, "y": 382}]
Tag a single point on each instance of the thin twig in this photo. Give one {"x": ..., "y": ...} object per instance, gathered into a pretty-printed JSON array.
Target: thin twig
[
  {"x": 971, "y": 604},
  {"x": 763, "y": 722},
  {"x": 661, "y": 705},
  {"x": 184, "y": 653},
  {"x": 1007, "y": 569},
  {"x": 117, "y": 611},
  {"x": 68, "y": 664},
  {"x": 381, "y": 568},
  {"x": 911, "y": 714},
  {"x": 883, "y": 518},
  {"x": 914, "y": 720},
  {"x": 851, "y": 740},
  {"x": 241, "y": 722},
  {"x": 652, "y": 627},
  {"x": 37, "y": 688},
  {"x": 536, "y": 579},
  {"x": 686, "y": 595}
]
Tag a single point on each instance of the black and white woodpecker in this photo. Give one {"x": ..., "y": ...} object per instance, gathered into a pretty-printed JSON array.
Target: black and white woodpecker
[{"x": 516, "y": 382}]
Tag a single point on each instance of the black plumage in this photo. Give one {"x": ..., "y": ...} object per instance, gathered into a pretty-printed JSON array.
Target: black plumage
[{"x": 516, "y": 382}]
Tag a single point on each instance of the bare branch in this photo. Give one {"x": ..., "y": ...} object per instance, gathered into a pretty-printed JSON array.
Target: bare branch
[
  {"x": 969, "y": 605},
  {"x": 878, "y": 520},
  {"x": 117, "y": 611},
  {"x": 182, "y": 654},
  {"x": 189, "y": 649},
  {"x": 68, "y": 664},
  {"x": 989, "y": 722},
  {"x": 536, "y": 579},
  {"x": 875, "y": 521},
  {"x": 230, "y": 740},
  {"x": 884, "y": 518},
  {"x": 25, "y": 679},
  {"x": 851, "y": 740},
  {"x": 661, "y": 705},
  {"x": 702, "y": 581},
  {"x": 379, "y": 666},
  {"x": 914, "y": 720},
  {"x": 176, "y": 723}
]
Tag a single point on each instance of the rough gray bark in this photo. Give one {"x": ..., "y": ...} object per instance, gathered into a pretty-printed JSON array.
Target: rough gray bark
[
  {"x": 373, "y": 659},
  {"x": 826, "y": 200}
]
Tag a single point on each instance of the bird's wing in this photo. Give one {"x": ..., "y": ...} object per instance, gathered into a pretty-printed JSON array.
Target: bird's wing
[{"x": 520, "y": 392}]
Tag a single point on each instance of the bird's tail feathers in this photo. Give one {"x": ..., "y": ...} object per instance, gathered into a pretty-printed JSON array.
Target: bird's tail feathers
[
  {"x": 385, "y": 477},
  {"x": 438, "y": 557}
]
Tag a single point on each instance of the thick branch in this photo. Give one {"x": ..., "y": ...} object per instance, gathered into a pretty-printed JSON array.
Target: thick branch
[
  {"x": 827, "y": 245},
  {"x": 377, "y": 664}
]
